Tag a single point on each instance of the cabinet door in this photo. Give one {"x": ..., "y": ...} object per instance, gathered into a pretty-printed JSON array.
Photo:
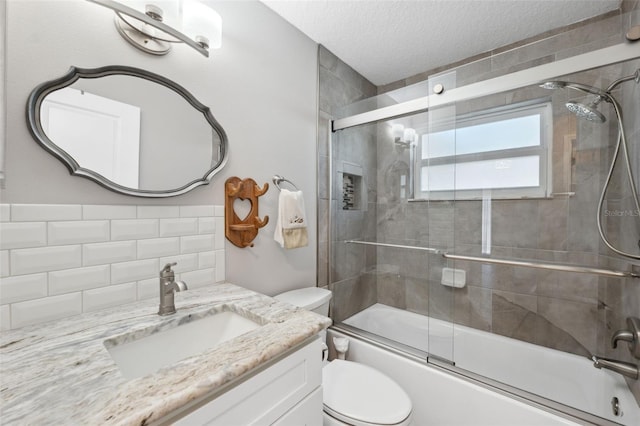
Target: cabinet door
[
  {"x": 306, "y": 413},
  {"x": 267, "y": 396}
]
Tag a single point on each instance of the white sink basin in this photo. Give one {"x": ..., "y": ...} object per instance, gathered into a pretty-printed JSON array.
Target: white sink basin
[{"x": 146, "y": 355}]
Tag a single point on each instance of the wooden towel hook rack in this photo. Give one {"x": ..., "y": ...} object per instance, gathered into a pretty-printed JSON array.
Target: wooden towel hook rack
[{"x": 242, "y": 231}]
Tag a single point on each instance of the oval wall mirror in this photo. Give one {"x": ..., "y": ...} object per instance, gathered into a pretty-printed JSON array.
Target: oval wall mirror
[{"x": 130, "y": 130}]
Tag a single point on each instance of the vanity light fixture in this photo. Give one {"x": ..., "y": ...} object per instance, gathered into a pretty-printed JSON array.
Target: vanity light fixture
[
  {"x": 403, "y": 136},
  {"x": 163, "y": 22}
]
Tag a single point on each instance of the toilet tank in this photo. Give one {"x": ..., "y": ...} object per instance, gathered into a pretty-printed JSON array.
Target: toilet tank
[{"x": 313, "y": 299}]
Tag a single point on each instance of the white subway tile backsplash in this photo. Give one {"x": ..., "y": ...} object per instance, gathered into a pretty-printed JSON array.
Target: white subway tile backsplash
[
  {"x": 219, "y": 236},
  {"x": 5, "y": 317},
  {"x": 206, "y": 225},
  {"x": 148, "y": 289},
  {"x": 96, "y": 212},
  {"x": 45, "y": 309},
  {"x": 206, "y": 259},
  {"x": 158, "y": 247},
  {"x": 134, "y": 271},
  {"x": 220, "y": 266},
  {"x": 134, "y": 229},
  {"x": 5, "y": 212},
  {"x": 4, "y": 263},
  {"x": 185, "y": 262},
  {"x": 196, "y": 211},
  {"x": 78, "y": 279},
  {"x": 83, "y": 231},
  {"x": 199, "y": 278},
  {"x": 196, "y": 243},
  {"x": 154, "y": 212},
  {"x": 33, "y": 260},
  {"x": 22, "y": 235},
  {"x": 101, "y": 253},
  {"x": 60, "y": 260},
  {"x": 45, "y": 212},
  {"x": 178, "y": 227},
  {"x": 23, "y": 287},
  {"x": 106, "y": 297}
]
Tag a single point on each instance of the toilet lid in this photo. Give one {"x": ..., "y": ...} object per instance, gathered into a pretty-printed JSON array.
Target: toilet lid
[
  {"x": 308, "y": 298},
  {"x": 358, "y": 392}
]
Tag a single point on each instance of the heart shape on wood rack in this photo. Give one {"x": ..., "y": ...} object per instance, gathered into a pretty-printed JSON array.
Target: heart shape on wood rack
[{"x": 242, "y": 207}]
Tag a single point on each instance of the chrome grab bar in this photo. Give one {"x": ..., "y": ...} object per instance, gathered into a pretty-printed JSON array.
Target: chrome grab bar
[
  {"x": 368, "y": 243},
  {"x": 523, "y": 263},
  {"x": 551, "y": 266}
]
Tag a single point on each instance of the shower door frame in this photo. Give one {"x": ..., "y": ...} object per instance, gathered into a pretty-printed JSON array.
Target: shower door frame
[{"x": 579, "y": 63}]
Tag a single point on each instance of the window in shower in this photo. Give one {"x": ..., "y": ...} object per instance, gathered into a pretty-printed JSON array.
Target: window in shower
[{"x": 505, "y": 150}]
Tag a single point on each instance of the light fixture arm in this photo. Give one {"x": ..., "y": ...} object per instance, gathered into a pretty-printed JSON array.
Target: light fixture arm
[{"x": 140, "y": 16}]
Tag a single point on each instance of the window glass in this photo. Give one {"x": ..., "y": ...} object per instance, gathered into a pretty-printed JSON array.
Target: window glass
[{"x": 502, "y": 149}]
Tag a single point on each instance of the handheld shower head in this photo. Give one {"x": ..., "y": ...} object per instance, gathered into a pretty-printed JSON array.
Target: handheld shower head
[
  {"x": 557, "y": 84},
  {"x": 553, "y": 85}
]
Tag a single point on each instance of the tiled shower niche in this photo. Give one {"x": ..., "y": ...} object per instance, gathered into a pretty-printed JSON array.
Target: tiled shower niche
[{"x": 351, "y": 191}]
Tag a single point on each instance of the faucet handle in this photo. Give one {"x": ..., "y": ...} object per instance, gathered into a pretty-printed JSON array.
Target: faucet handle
[
  {"x": 624, "y": 335},
  {"x": 168, "y": 266},
  {"x": 166, "y": 271},
  {"x": 631, "y": 336}
]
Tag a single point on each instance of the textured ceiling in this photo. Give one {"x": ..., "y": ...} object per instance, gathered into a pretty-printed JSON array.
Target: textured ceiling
[{"x": 388, "y": 40}]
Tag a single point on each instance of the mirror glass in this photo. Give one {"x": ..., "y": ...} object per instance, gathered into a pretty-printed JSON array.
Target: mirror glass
[{"x": 131, "y": 131}]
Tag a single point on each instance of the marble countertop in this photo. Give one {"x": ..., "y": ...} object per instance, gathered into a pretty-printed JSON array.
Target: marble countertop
[{"x": 61, "y": 373}]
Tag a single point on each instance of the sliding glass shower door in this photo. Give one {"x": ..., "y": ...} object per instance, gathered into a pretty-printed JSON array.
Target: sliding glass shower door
[
  {"x": 465, "y": 233},
  {"x": 387, "y": 239}
]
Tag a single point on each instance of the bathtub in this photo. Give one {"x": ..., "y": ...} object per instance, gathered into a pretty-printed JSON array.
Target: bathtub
[{"x": 443, "y": 398}]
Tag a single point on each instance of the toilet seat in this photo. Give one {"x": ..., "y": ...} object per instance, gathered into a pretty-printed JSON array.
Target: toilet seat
[{"x": 359, "y": 395}]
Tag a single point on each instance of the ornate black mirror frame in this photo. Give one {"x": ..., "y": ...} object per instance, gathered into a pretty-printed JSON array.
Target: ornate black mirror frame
[{"x": 35, "y": 127}]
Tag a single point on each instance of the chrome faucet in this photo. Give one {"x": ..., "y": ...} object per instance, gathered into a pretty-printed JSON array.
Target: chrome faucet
[
  {"x": 620, "y": 367},
  {"x": 632, "y": 337},
  {"x": 168, "y": 285}
]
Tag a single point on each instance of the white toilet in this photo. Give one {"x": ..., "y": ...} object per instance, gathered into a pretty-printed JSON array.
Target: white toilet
[{"x": 353, "y": 394}]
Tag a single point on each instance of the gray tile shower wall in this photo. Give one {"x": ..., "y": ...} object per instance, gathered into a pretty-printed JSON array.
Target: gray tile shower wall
[
  {"x": 554, "y": 309},
  {"x": 572, "y": 312},
  {"x": 626, "y": 295},
  {"x": 353, "y": 288}
]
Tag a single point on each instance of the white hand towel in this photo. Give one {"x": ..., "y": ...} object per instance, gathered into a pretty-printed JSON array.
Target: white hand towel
[{"x": 291, "y": 225}]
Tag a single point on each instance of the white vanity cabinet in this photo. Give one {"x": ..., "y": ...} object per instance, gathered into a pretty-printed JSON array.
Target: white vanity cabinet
[{"x": 287, "y": 393}]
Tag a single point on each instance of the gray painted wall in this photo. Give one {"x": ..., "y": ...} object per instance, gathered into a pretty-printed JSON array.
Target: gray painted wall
[{"x": 261, "y": 86}]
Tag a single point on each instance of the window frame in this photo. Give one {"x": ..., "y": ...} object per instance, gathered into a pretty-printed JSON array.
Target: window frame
[{"x": 543, "y": 108}]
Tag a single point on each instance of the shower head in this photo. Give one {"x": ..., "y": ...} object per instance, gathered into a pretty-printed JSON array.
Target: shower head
[
  {"x": 587, "y": 112},
  {"x": 603, "y": 94},
  {"x": 553, "y": 85}
]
